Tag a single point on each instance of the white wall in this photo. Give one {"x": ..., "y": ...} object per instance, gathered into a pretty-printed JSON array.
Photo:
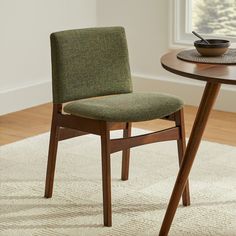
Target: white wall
[
  {"x": 146, "y": 23},
  {"x": 25, "y": 26}
]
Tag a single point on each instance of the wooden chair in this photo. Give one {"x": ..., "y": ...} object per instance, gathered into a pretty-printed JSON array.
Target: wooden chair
[{"x": 91, "y": 74}]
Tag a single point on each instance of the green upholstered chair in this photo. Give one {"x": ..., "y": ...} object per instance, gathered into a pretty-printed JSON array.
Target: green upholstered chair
[{"x": 92, "y": 93}]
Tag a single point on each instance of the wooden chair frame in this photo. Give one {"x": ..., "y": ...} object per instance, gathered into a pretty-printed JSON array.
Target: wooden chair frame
[{"x": 65, "y": 126}]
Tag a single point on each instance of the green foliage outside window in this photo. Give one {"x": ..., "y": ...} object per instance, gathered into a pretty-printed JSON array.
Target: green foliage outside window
[{"x": 217, "y": 17}]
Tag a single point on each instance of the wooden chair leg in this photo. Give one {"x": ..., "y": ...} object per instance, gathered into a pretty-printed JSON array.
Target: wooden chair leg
[
  {"x": 181, "y": 143},
  {"x": 52, "y": 153},
  {"x": 106, "y": 177},
  {"x": 126, "y": 154}
]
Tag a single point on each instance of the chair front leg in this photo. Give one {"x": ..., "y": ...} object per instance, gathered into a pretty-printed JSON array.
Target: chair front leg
[
  {"x": 106, "y": 176},
  {"x": 126, "y": 154},
  {"x": 52, "y": 154},
  {"x": 181, "y": 143}
]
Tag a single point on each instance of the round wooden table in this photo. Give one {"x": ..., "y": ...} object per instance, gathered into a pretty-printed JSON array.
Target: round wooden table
[{"x": 214, "y": 75}]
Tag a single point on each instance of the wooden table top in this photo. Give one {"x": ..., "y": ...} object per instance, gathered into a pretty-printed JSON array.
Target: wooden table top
[{"x": 225, "y": 74}]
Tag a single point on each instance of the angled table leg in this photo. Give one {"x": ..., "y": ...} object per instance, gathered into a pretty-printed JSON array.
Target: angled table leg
[{"x": 207, "y": 102}]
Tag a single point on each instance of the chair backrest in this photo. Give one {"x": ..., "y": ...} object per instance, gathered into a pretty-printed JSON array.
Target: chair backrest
[{"x": 89, "y": 62}]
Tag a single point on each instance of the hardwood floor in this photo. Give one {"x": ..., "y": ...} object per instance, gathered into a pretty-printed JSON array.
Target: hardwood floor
[
  {"x": 30, "y": 122},
  {"x": 26, "y": 123}
]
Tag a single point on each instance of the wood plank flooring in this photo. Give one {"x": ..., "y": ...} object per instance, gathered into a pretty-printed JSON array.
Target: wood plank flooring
[{"x": 30, "y": 122}]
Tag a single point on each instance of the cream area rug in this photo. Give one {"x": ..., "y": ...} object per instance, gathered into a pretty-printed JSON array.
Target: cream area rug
[{"x": 139, "y": 204}]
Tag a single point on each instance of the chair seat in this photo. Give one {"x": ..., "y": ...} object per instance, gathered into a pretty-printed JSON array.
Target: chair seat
[{"x": 130, "y": 107}]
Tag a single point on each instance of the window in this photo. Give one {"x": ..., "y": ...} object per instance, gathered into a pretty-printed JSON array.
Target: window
[
  {"x": 210, "y": 18},
  {"x": 215, "y": 17}
]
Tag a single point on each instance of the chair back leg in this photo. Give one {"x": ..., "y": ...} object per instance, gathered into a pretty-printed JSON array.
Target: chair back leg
[
  {"x": 52, "y": 154},
  {"x": 126, "y": 154},
  {"x": 181, "y": 143},
  {"x": 106, "y": 176}
]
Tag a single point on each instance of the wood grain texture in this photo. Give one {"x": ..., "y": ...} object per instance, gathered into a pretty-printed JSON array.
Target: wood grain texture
[
  {"x": 209, "y": 96},
  {"x": 221, "y": 127},
  {"x": 15, "y": 126},
  {"x": 214, "y": 75},
  {"x": 225, "y": 74},
  {"x": 26, "y": 123},
  {"x": 181, "y": 144},
  {"x": 126, "y": 154},
  {"x": 129, "y": 142},
  {"x": 52, "y": 153},
  {"x": 67, "y": 122},
  {"x": 106, "y": 176}
]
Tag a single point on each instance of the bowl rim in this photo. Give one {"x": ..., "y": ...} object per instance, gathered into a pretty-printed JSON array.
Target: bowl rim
[{"x": 223, "y": 43}]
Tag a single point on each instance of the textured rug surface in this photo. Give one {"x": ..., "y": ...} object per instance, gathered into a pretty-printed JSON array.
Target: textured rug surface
[{"x": 138, "y": 204}]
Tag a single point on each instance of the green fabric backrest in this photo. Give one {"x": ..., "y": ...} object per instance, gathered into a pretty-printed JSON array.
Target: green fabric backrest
[{"x": 89, "y": 62}]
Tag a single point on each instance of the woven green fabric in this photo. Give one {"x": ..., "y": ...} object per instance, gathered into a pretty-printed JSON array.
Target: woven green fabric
[
  {"x": 129, "y": 107},
  {"x": 89, "y": 62}
]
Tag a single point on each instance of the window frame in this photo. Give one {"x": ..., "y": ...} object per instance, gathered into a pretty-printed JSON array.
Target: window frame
[{"x": 180, "y": 27}]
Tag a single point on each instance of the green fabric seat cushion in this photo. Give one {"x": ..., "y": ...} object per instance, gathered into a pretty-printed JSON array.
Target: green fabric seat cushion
[{"x": 128, "y": 107}]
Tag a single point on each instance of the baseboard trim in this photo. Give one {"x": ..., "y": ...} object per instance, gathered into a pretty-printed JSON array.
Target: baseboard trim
[
  {"x": 24, "y": 97},
  {"x": 190, "y": 92}
]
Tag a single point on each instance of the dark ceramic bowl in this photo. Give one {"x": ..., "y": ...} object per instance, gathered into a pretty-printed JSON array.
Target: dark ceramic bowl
[{"x": 217, "y": 47}]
